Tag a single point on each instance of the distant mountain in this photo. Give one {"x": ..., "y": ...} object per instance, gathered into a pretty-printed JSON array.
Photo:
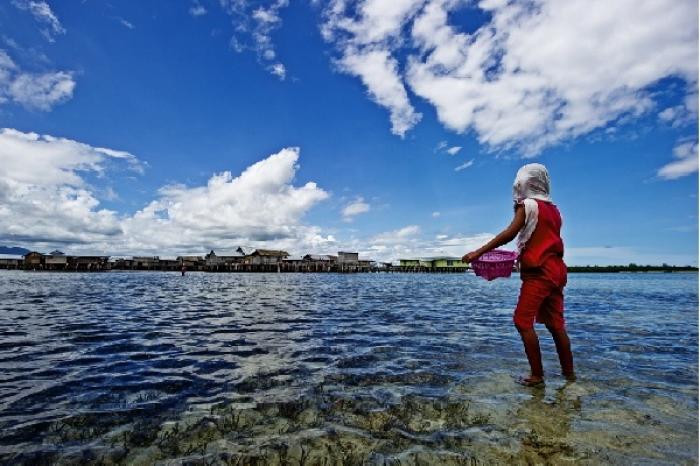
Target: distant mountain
[{"x": 13, "y": 250}]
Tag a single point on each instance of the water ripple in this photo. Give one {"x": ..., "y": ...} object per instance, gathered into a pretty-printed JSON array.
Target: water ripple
[{"x": 329, "y": 369}]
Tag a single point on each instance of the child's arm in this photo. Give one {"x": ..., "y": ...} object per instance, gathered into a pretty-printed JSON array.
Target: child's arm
[{"x": 506, "y": 236}]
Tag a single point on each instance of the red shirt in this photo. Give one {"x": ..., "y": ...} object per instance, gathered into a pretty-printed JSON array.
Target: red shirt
[{"x": 544, "y": 252}]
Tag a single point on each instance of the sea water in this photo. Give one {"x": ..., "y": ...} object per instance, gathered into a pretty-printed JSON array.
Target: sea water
[{"x": 150, "y": 367}]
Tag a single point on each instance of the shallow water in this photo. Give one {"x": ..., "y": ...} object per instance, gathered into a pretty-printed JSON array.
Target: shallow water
[{"x": 150, "y": 367}]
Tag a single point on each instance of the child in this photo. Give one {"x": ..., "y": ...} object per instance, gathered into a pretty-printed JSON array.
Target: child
[{"x": 537, "y": 223}]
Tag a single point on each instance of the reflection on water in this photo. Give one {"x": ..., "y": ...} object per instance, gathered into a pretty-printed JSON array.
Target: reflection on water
[{"x": 142, "y": 368}]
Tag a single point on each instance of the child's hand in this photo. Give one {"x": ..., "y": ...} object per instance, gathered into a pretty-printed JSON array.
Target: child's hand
[{"x": 470, "y": 256}]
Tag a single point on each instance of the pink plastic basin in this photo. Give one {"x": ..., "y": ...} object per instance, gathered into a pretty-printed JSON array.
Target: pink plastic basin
[{"x": 495, "y": 264}]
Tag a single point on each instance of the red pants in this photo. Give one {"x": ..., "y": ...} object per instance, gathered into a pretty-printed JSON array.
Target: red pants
[{"x": 540, "y": 301}]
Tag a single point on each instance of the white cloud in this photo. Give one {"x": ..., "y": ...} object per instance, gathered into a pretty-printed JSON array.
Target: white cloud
[
  {"x": 365, "y": 33},
  {"x": 356, "y": 207},
  {"x": 454, "y": 150},
  {"x": 43, "y": 195},
  {"x": 49, "y": 198},
  {"x": 42, "y": 91},
  {"x": 379, "y": 72},
  {"x": 407, "y": 242},
  {"x": 258, "y": 206},
  {"x": 394, "y": 237},
  {"x": 436, "y": 214},
  {"x": 43, "y": 14},
  {"x": 254, "y": 24},
  {"x": 510, "y": 81},
  {"x": 46, "y": 200},
  {"x": 515, "y": 86},
  {"x": 680, "y": 115},
  {"x": 465, "y": 165},
  {"x": 685, "y": 163},
  {"x": 38, "y": 91},
  {"x": 197, "y": 9},
  {"x": 279, "y": 70},
  {"x": 126, "y": 23}
]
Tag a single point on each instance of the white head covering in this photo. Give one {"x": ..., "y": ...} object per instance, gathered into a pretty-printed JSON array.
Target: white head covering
[{"x": 531, "y": 182}]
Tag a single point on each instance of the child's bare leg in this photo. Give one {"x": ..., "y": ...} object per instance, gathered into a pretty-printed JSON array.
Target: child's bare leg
[
  {"x": 563, "y": 344},
  {"x": 532, "y": 351}
]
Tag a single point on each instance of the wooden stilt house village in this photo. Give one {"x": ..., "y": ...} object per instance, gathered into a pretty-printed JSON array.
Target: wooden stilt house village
[
  {"x": 11, "y": 261},
  {"x": 239, "y": 259},
  {"x": 58, "y": 261}
]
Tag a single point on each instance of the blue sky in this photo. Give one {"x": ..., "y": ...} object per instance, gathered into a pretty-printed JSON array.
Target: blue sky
[{"x": 392, "y": 128}]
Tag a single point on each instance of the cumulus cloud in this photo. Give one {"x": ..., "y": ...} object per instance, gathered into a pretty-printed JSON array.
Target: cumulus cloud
[
  {"x": 254, "y": 23},
  {"x": 525, "y": 79},
  {"x": 43, "y": 194},
  {"x": 259, "y": 205},
  {"x": 36, "y": 91},
  {"x": 685, "y": 161},
  {"x": 354, "y": 208},
  {"x": 46, "y": 200},
  {"x": 454, "y": 150},
  {"x": 42, "y": 13}
]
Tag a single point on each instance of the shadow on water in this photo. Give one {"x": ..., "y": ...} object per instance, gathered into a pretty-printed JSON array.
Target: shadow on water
[{"x": 269, "y": 369}]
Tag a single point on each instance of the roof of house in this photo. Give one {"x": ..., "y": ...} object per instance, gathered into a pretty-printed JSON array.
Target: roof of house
[
  {"x": 228, "y": 253},
  {"x": 319, "y": 257},
  {"x": 270, "y": 252},
  {"x": 11, "y": 256}
]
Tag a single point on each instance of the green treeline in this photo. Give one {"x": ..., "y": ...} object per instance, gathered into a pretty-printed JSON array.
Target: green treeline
[{"x": 631, "y": 268}]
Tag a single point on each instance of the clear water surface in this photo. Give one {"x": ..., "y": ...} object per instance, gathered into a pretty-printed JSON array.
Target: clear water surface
[{"x": 143, "y": 368}]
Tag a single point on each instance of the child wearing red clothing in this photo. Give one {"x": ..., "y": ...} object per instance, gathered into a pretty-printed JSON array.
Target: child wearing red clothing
[{"x": 537, "y": 224}]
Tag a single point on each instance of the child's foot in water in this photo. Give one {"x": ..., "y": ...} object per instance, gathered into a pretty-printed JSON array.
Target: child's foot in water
[
  {"x": 531, "y": 381},
  {"x": 570, "y": 377}
]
